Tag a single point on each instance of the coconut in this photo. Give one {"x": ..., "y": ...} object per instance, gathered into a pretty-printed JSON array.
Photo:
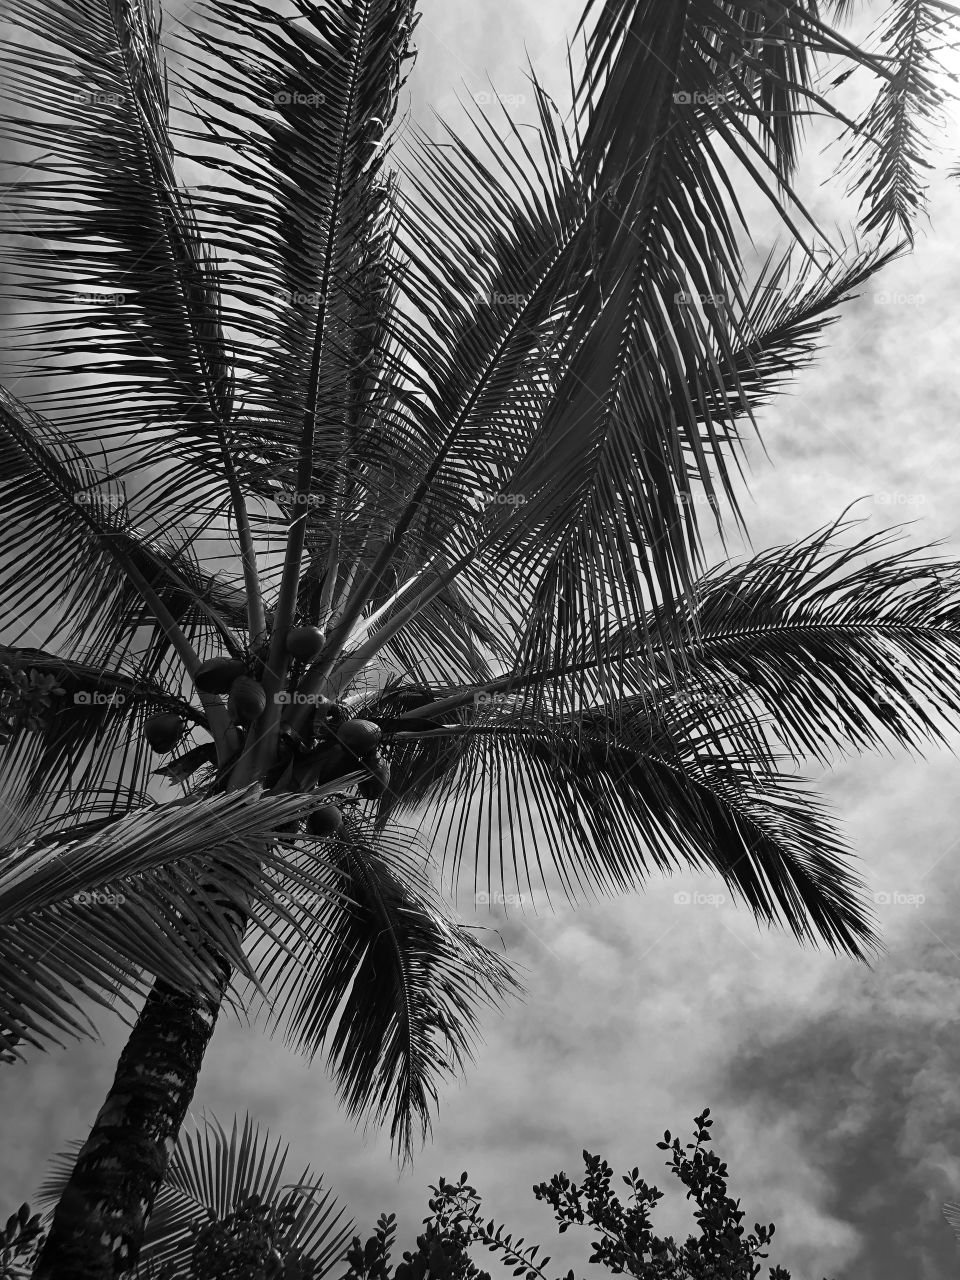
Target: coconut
[
  {"x": 305, "y": 643},
  {"x": 325, "y": 821},
  {"x": 218, "y": 674},
  {"x": 247, "y": 700},
  {"x": 378, "y": 777},
  {"x": 164, "y": 731},
  {"x": 359, "y": 736}
]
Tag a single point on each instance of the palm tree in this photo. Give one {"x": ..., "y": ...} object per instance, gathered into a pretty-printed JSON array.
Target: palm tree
[{"x": 414, "y": 458}]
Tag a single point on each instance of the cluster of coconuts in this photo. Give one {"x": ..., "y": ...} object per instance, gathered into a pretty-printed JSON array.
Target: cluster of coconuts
[
  {"x": 358, "y": 738},
  {"x": 247, "y": 702},
  {"x": 219, "y": 675}
]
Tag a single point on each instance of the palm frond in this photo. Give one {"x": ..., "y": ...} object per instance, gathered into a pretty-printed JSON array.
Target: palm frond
[
  {"x": 332, "y": 74},
  {"x": 611, "y": 792},
  {"x": 544, "y": 395},
  {"x": 212, "y": 1173},
  {"x": 836, "y": 646},
  {"x": 298, "y": 108},
  {"x": 59, "y": 524},
  {"x": 83, "y": 918},
  {"x": 746, "y": 65},
  {"x": 89, "y": 743},
  {"x": 88, "y": 584},
  {"x": 587, "y": 390},
  {"x": 784, "y": 317},
  {"x": 893, "y": 144},
  {"x": 106, "y": 201},
  {"x": 383, "y": 977}
]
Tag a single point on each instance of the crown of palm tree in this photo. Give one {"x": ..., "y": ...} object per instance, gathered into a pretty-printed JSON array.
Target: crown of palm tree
[{"x": 462, "y": 413}]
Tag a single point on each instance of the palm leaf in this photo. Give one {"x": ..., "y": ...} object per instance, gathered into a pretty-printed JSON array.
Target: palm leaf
[
  {"x": 384, "y": 977},
  {"x": 71, "y": 533},
  {"x": 894, "y": 132},
  {"x": 543, "y": 390},
  {"x": 212, "y": 1172},
  {"x": 82, "y": 918},
  {"x": 107, "y": 202},
  {"x": 90, "y": 744},
  {"x": 531, "y": 401},
  {"x": 836, "y": 646},
  {"x": 748, "y": 64},
  {"x": 299, "y": 109},
  {"x": 612, "y": 791},
  {"x": 785, "y": 314}
]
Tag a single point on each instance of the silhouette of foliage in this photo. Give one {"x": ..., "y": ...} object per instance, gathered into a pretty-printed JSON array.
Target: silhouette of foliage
[{"x": 626, "y": 1245}]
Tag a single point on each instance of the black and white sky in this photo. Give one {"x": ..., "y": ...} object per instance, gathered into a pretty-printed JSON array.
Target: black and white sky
[{"x": 834, "y": 1086}]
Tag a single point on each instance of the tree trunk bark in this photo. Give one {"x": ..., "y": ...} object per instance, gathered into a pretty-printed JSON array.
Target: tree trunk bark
[{"x": 98, "y": 1225}]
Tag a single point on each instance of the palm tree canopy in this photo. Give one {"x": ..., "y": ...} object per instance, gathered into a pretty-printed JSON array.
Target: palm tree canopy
[{"x": 452, "y": 404}]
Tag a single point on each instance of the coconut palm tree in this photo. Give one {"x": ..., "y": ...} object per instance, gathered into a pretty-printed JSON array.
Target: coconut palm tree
[{"x": 358, "y": 492}]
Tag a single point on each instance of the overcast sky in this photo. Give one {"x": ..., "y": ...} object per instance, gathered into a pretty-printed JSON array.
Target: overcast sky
[{"x": 833, "y": 1085}]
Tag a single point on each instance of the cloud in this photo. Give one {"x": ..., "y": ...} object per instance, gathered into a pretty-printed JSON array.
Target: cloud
[{"x": 865, "y": 1072}]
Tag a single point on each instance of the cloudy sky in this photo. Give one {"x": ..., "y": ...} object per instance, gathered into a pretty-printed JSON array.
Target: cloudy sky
[{"x": 833, "y": 1085}]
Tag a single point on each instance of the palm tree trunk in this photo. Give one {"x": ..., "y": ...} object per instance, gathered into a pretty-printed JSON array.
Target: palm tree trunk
[{"x": 98, "y": 1225}]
